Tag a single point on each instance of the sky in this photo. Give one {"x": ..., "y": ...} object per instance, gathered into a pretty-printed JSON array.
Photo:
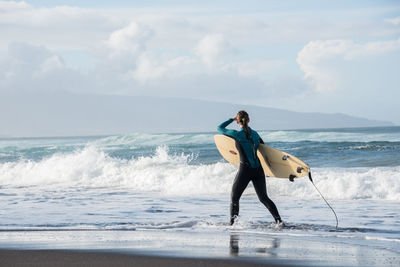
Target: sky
[{"x": 307, "y": 56}]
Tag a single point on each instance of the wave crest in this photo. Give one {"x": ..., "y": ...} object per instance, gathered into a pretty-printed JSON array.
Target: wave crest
[
  {"x": 91, "y": 167},
  {"x": 168, "y": 173}
]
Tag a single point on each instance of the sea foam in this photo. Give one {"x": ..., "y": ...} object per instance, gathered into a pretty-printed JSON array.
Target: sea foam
[
  {"x": 170, "y": 173},
  {"x": 92, "y": 167}
]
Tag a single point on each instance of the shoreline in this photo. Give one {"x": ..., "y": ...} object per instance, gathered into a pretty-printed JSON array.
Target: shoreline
[
  {"x": 191, "y": 248},
  {"x": 63, "y": 257}
]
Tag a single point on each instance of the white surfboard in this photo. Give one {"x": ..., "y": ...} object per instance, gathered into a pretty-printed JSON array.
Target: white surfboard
[{"x": 275, "y": 163}]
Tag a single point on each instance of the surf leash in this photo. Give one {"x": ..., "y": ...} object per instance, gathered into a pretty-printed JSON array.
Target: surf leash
[{"x": 337, "y": 221}]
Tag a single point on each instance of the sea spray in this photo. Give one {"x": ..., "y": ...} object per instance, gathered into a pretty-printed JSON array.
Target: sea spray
[
  {"x": 343, "y": 183},
  {"x": 170, "y": 173},
  {"x": 92, "y": 167}
]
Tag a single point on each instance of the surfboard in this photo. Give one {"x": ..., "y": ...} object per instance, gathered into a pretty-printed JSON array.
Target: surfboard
[{"x": 276, "y": 163}]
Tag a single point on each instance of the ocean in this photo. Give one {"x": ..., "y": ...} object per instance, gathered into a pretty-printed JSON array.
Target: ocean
[{"x": 169, "y": 194}]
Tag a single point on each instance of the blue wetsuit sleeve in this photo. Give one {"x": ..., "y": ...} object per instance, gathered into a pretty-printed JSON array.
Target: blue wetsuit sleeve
[
  {"x": 261, "y": 141},
  {"x": 222, "y": 128}
]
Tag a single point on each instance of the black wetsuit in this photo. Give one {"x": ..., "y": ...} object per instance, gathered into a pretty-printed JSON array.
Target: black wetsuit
[{"x": 250, "y": 169}]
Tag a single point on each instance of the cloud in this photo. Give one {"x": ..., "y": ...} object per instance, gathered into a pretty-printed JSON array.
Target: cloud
[
  {"x": 126, "y": 54},
  {"x": 259, "y": 67},
  {"x": 247, "y": 57},
  {"x": 12, "y": 5},
  {"x": 23, "y": 14},
  {"x": 58, "y": 27},
  {"x": 323, "y": 61},
  {"x": 358, "y": 78},
  {"x": 212, "y": 49},
  {"x": 150, "y": 68},
  {"x": 129, "y": 53},
  {"x": 30, "y": 67},
  {"x": 394, "y": 21},
  {"x": 70, "y": 27},
  {"x": 51, "y": 64},
  {"x": 129, "y": 40}
]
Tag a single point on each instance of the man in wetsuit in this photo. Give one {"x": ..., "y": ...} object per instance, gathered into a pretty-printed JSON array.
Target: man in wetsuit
[{"x": 250, "y": 169}]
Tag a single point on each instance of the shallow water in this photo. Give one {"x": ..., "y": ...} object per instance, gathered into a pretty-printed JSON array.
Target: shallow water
[{"x": 169, "y": 194}]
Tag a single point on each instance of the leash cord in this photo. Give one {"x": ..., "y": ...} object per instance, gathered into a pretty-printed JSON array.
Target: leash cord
[{"x": 311, "y": 180}]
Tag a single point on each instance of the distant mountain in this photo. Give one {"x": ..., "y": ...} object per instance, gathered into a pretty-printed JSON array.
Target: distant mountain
[{"x": 68, "y": 114}]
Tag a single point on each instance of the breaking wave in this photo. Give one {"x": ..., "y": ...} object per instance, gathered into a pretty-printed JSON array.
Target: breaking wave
[{"x": 169, "y": 173}]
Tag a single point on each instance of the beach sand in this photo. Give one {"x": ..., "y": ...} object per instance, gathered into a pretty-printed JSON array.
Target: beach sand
[
  {"x": 55, "y": 258},
  {"x": 189, "y": 248}
]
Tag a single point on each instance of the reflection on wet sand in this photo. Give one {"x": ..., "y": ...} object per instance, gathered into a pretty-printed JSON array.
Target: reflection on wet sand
[
  {"x": 234, "y": 245},
  {"x": 266, "y": 246}
]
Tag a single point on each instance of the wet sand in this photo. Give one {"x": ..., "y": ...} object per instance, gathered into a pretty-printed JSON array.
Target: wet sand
[{"x": 55, "y": 258}]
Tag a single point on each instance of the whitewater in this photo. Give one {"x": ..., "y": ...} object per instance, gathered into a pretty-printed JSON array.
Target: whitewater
[{"x": 156, "y": 192}]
